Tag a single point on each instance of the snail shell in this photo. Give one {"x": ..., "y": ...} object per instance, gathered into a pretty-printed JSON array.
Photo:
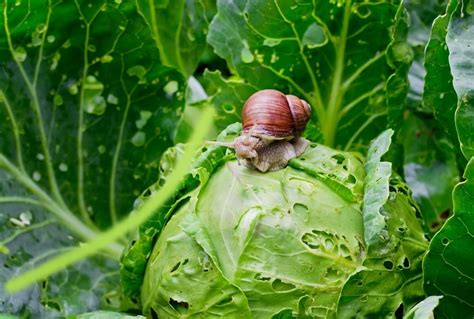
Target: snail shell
[{"x": 272, "y": 115}]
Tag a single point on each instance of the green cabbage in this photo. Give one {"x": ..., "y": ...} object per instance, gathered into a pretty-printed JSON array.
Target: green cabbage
[{"x": 285, "y": 244}]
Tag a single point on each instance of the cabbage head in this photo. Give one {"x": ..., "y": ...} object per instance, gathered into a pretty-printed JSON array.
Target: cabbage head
[{"x": 309, "y": 241}]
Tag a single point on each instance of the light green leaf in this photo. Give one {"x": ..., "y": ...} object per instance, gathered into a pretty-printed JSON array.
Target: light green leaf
[
  {"x": 424, "y": 309},
  {"x": 330, "y": 53},
  {"x": 376, "y": 190},
  {"x": 179, "y": 28},
  {"x": 448, "y": 267}
]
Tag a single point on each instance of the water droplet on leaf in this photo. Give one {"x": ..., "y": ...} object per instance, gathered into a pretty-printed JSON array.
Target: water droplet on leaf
[
  {"x": 94, "y": 102},
  {"x": 50, "y": 38},
  {"x": 20, "y": 54},
  {"x": 271, "y": 42},
  {"x": 139, "y": 139},
  {"x": 144, "y": 117},
  {"x": 36, "y": 176},
  {"x": 63, "y": 167},
  {"x": 171, "y": 87},
  {"x": 112, "y": 99},
  {"x": 101, "y": 149},
  {"x": 106, "y": 59}
]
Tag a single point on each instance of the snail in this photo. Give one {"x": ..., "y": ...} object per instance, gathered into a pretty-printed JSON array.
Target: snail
[{"x": 272, "y": 123}]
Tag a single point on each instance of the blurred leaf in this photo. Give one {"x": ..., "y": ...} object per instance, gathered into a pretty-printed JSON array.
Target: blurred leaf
[
  {"x": 424, "y": 309},
  {"x": 31, "y": 236},
  {"x": 104, "y": 315},
  {"x": 439, "y": 94},
  {"x": 460, "y": 41},
  {"x": 329, "y": 53},
  {"x": 90, "y": 111},
  {"x": 448, "y": 267},
  {"x": 422, "y": 13},
  {"x": 179, "y": 28},
  {"x": 430, "y": 168}
]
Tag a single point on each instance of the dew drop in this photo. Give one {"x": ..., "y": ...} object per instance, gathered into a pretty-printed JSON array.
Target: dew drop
[
  {"x": 54, "y": 61},
  {"x": 139, "y": 139},
  {"x": 271, "y": 42},
  {"x": 50, "y": 38},
  {"x": 118, "y": 1},
  {"x": 36, "y": 176},
  {"x": 246, "y": 56},
  {"x": 73, "y": 89},
  {"x": 63, "y": 167},
  {"x": 112, "y": 99},
  {"x": 106, "y": 59},
  {"x": 26, "y": 218},
  {"x": 40, "y": 156},
  {"x": 91, "y": 48},
  {"x": 94, "y": 102},
  {"x": 101, "y": 149},
  {"x": 58, "y": 100},
  {"x": 20, "y": 54},
  {"x": 139, "y": 71},
  {"x": 171, "y": 87}
]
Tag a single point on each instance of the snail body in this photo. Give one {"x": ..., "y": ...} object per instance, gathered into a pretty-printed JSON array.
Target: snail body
[{"x": 272, "y": 123}]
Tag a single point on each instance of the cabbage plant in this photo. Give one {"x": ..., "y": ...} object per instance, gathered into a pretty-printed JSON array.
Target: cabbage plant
[{"x": 333, "y": 233}]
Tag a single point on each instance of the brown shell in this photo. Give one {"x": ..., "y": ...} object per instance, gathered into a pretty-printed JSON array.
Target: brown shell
[{"x": 272, "y": 114}]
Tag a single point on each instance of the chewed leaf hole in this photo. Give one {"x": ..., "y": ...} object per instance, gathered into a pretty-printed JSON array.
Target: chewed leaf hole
[
  {"x": 310, "y": 240},
  {"x": 339, "y": 158},
  {"x": 225, "y": 302},
  {"x": 406, "y": 262},
  {"x": 300, "y": 208},
  {"x": 445, "y": 241},
  {"x": 279, "y": 285},
  {"x": 262, "y": 278},
  {"x": 360, "y": 283},
  {"x": 175, "y": 267},
  {"x": 351, "y": 179},
  {"x": 179, "y": 306},
  {"x": 388, "y": 264}
]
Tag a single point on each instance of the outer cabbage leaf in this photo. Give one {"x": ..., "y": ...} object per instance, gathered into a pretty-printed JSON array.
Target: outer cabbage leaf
[
  {"x": 424, "y": 309},
  {"x": 135, "y": 258},
  {"x": 331, "y": 53},
  {"x": 391, "y": 276}
]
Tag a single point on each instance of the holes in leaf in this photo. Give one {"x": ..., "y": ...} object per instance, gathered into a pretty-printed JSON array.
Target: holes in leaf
[
  {"x": 261, "y": 278},
  {"x": 312, "y": 145},
  {"x": 399, "y": 312},
  {"x": 445, "y": 241},
  {"x": 310, "y": 240},
  {"x": 52, "y": 305},
  {"x": 388, "y": 264},
  {"x": 225, "y": 302},
  {"x": 360, "y": 283},
  {"x": 204, "y": 149},
  {"x": 332, "y": 274},
  {"x": 228, "y": 108},
  {"x": 279, "y": 285},
  {"x": 302, "y": 158},
  {"x": 180, "y": 306},
  {"x": 351, "y": 179},
  {"x": 445, "y": 214},
  {"x": 154, "y": 315},
  {"x": 364, "y": 298},
  {"x": 435, "y": 226},
  {"x": 206, "y": 263},
  {"x": 406, "y": 262},
  {"x": 344, "y": 250},
  {"x": 300, "y": 209},
  {"x": 339, "y": 158}
]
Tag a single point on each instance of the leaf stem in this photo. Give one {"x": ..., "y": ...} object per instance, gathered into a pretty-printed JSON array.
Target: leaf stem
[
  {"x": 65, "y": 216},
  {"x": 329, "y": 125}
]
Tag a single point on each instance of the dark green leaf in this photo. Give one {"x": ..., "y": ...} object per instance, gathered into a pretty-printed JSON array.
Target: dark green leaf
[
  {"x": 330, "y": 53},
  {"x": 448, "y": 267},
  {"x": 430, "y": 168},
  {"x": 179, "y": 28},
  {"x": 88, "y": 111},
  {"x": 30, "y": 237}
]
